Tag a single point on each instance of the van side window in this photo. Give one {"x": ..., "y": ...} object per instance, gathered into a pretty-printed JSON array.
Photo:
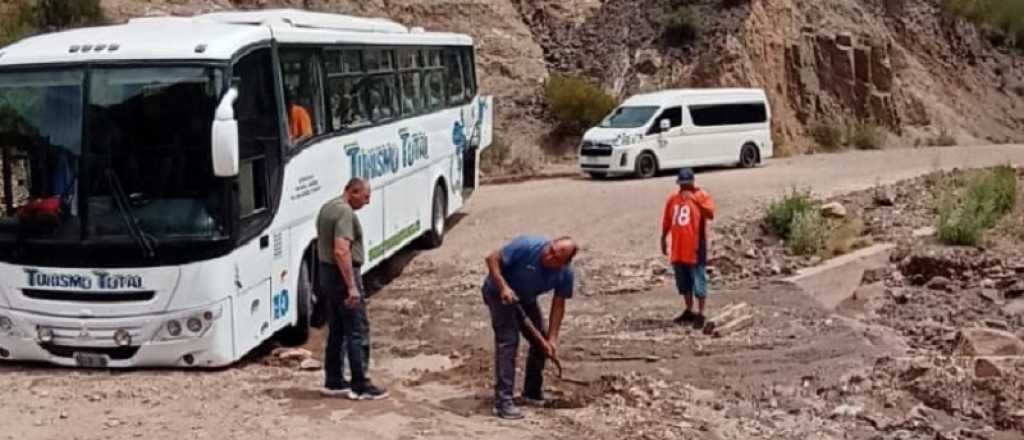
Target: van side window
[
  {"x": 673, "y": 114},
  {"x": 728, "y": 114}
]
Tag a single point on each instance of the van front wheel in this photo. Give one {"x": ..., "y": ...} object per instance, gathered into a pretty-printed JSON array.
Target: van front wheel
[{"x": 646, "y": 165}]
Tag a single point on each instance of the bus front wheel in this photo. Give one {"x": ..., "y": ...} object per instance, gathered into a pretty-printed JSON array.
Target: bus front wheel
[
  {"x": 298, "y": 334},
  {"x": 438, "y": 208}
]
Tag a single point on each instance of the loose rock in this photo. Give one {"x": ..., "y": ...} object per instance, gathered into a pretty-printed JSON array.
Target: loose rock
[
  {"x": 986, "y": 368},
  {"x": 938, "y": 283},
  {"x": 833, "y": 210},
  {"x": 989, "y": 342},
  {"x": 310, "y": 365}
]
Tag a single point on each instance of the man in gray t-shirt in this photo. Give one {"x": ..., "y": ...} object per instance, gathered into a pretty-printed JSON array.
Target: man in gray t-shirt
[{"x": 340, "y": 251}]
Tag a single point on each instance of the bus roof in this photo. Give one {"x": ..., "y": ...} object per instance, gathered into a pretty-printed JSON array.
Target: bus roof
[
  {"x": 215, "y": 36},
  {"x": 666, "y": 97}
]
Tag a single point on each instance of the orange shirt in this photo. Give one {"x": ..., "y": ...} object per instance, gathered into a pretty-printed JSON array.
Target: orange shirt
[
  {"x": 684, "y": 218},
  {"x": 299, "y": 123}
]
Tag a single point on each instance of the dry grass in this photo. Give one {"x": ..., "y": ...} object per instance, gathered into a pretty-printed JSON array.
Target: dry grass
[{"x": 844, "y": 236}]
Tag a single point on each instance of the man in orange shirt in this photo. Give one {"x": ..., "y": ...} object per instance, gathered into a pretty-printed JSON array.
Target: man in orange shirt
[
  {"x": 300, "y": 125},
  {"x": 687, "y": 213}
]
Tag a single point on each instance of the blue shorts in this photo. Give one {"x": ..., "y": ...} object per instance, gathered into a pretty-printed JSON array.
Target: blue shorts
[{"x": 691, "y": 279}]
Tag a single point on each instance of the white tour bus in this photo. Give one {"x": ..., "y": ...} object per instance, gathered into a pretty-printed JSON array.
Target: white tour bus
[
  {"x": 161, "y": 178},
  {"x": 680, "y": 128}
]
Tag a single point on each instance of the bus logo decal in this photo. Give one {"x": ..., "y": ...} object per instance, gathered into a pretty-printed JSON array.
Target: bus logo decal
[
  {"x": 388, "y": 158},
  {"x": 100, "y": 280}
]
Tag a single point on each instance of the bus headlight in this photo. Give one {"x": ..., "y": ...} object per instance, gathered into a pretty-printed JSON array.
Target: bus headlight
[
  {"x": 174, "y": 328},
  {"x": 196, "y": 322}
]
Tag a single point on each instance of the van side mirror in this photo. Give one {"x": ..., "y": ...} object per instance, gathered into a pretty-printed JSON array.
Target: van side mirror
[
  {"x": 224, "y": 137},
  {"x": 665, "y": 125}
]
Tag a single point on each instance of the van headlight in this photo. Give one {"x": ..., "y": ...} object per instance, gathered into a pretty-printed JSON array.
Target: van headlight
[{"x": 628, "y": 139}]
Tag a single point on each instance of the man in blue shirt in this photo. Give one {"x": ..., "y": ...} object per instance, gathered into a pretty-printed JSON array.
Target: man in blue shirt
[{"x": 523, "y": 269}]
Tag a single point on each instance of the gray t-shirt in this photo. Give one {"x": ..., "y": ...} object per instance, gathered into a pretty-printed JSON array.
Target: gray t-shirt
[{"x": 338, "y": 220}]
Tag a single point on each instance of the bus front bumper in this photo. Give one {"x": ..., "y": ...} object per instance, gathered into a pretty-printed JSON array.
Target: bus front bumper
[{"x": 164, "y": 340}]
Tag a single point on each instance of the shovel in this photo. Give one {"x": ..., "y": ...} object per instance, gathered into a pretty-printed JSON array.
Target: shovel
[{"x": 536, "y": 333}]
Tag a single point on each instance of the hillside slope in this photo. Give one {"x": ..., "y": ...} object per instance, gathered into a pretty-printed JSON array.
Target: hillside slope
[{"x": 902, "y": 63}]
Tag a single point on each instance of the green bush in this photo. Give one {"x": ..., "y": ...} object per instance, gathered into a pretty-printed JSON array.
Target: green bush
[
  {"x": 63, "y": 14},
  {"x": 576, "y": 103},
  {"x": 808, "y": 233},
  {"x": 28, "y": 17},
  {"x": 682, "y": 25},
  {"x": 782, "y": 212},
  {"x": 998, "y": 188},
  {"x": 988, "y": 198},
  {"x": 828, "y": 135},
  {"x": 866, "y": 136},
  {"x": 18, "y": 24},
  {"x": 1006, "y": 15}
]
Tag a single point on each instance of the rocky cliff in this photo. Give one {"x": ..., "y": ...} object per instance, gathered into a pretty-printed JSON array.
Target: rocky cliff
[{"x": 901, "y": 63}]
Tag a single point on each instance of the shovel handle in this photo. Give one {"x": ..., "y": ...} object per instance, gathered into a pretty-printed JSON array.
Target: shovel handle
[{"x": 537, "y": 334}]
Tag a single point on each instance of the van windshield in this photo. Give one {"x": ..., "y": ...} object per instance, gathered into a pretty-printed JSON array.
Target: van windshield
[{"x": 629, "y": 117}]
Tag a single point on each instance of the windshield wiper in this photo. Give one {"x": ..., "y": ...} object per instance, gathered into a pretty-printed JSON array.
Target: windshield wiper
[{"x": 146, "y": 243}]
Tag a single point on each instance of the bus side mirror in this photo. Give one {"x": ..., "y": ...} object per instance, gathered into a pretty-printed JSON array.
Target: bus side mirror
[
  {"x": 665, "y": 125},
  {"x": 224, "y": 142}
]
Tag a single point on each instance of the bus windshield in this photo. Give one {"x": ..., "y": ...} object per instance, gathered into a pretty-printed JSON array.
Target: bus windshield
[
  {"x": 136, "y": 150},
  {"x": 629, "y": 117}
]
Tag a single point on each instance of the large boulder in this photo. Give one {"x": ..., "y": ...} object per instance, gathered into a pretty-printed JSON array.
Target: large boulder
[{"x": 988, "y": 342}]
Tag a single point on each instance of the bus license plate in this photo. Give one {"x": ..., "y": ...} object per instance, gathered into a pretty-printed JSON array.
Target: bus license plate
[{"x": 91, "y": 360}]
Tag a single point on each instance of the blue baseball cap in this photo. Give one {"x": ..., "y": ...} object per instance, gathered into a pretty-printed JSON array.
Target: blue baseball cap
[{"x": 685, "y": 176}]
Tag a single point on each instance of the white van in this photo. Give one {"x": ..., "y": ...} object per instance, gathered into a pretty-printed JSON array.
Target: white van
[{"x": 680, "y": 128}]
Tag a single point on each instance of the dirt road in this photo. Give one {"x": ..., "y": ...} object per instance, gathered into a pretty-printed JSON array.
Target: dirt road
[{"x": 432, "y": 341}]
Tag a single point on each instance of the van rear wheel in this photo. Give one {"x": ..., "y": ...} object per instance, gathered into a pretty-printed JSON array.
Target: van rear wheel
[
  {"x": 749, "y": 156},
  {"x": 646, "y": 165}
]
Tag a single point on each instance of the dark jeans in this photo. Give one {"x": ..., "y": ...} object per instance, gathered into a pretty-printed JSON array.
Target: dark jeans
[
  {"x": 507, "y": 323},
  {"x": 348, "y": 329}
]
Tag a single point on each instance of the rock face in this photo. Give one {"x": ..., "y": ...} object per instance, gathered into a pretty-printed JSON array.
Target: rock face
[
  {"x": 901, "y": 63},
  {"x": 830, "y": 74}
]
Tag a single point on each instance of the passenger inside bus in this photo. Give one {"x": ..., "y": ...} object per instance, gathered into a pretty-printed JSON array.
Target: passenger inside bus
[{"x": 300, "y": 125}]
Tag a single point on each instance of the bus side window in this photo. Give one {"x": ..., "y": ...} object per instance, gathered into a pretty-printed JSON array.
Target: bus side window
[
  {"x": 259, "y": 141},
  {"x": 434, "y": 80},
  {"x": 468, "y": 72},
  {"x": 456, "y": 87},
  {"x": 383, "y": 97},
  {"x": 409, "y": 65},
  {"x": 300, "y": 70},
  {"x": 347, "y": 88}
]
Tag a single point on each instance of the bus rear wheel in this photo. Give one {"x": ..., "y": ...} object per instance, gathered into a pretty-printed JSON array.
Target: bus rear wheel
[
  {"x": 298, "y": 334},
  {"x": 438, "y": 208}
]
